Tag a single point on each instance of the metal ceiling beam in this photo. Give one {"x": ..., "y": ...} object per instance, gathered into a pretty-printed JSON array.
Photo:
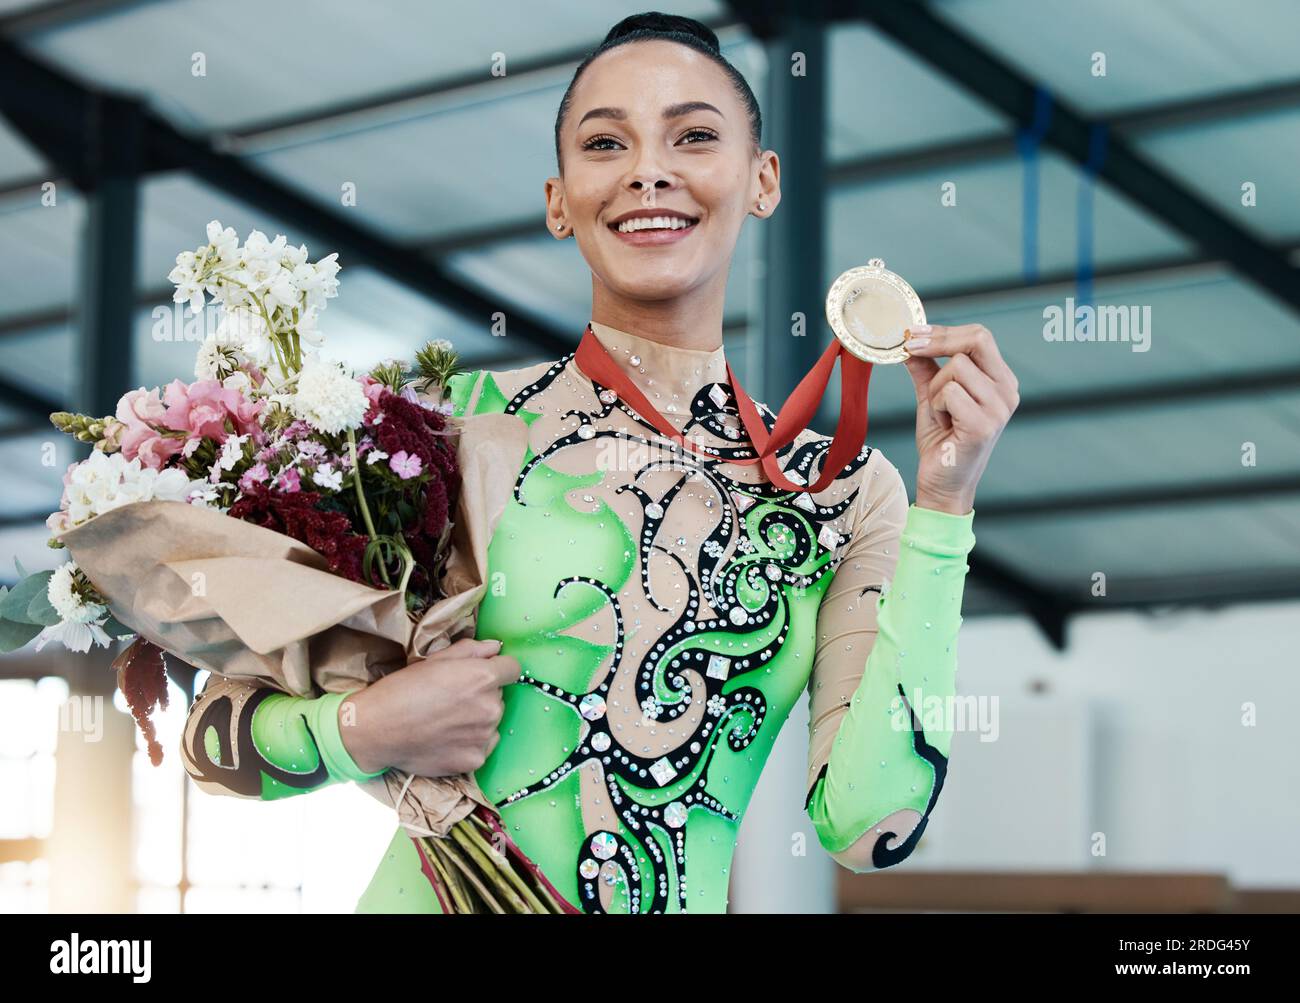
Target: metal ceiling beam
[
  {"x": 1250, "y": 485},
  {"x": 63, "y": 14},
  {"x": 548, "y": 62},
  {"x": 987, "y": 76},
  {"x": 53, "y": 111},
  {"x": 1095, "y": 402}
]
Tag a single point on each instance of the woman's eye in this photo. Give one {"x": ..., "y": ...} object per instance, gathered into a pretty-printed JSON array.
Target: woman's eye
[
  {"x": 591, "y": 143},
  {"x": 701, "y": 132}
]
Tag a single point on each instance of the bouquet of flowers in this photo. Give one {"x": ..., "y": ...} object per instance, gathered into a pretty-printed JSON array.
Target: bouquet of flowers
[{"x": 284, "y": 520}]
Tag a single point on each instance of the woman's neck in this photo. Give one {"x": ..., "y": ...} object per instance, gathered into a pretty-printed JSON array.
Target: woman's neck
[
  {"x": 669, "y": 375},
  {"x": 693, "y": 323}
]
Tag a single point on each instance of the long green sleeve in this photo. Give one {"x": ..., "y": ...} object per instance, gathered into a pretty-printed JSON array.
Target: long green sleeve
[
  {"x": 886, "y": 764},
  {"x": 252, "y": 741}
]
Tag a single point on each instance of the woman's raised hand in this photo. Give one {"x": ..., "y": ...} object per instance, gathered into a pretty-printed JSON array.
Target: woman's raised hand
[
  {"x": 435, "y": 717},
  {"x": 961, "y": 409}
]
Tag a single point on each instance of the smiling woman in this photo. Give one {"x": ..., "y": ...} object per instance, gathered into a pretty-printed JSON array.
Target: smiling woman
[{"x": 666, "y": 601}]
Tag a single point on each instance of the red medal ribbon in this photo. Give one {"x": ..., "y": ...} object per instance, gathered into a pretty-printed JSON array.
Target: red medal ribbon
[{"x": 850, "y": 432}]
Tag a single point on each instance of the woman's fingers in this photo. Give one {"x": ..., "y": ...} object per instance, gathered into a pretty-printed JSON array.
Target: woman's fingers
[
  {"x": 977, "y": 343},
  {"x": 960, "y": 369},
  {"x": 923, "y": 372}
]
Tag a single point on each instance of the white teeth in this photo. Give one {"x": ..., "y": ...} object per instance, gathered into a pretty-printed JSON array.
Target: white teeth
[{"x": 653, "y": 223}]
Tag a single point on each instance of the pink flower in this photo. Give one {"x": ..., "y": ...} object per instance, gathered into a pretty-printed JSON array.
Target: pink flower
[
  {"x": 141, "y": 412},
  {"x": 405, "y": 465},
  {"x": 202, "y": 408},
  {"x": 256, "y": 474},
  {"x": 373, "y": 388},
  {"x": 288, "y": 480}
]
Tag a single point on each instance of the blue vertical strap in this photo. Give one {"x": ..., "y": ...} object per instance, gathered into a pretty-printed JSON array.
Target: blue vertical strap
[
  {"x": 1087, "y": 183},
  {"x": 1027, "y": 142}
]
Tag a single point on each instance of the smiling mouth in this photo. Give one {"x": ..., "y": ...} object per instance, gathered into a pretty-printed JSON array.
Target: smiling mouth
[{"x": 657, "y": 224}]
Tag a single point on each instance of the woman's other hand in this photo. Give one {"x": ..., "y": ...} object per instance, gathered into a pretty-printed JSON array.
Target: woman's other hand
[
  {"x": 435, "y": 717},
  {"x": 961, "y": 409}
]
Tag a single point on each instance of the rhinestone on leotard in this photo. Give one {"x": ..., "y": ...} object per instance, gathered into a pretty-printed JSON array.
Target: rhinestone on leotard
[
  {"x": 608, "y": 396},
  {"x": 592, "y": 707},
  {"x": 675, "y": 815},
  {"x": 588, "y": 868},
  {"x": 600, "y": 741},
  {"x": 586, "y": 432},
  {"x": 662, "y": 770},
  {"x": 603, "y": 845},
  {"x": 738, "y": 615}
]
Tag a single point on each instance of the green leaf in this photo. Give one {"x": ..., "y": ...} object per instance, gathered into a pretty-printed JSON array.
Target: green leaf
[
  {"x": 114, "y": 627},
  {"x": 22, "y": 572},
  {"x": 40, "y": 611},
  {"x": 14, "y": 605},
  {"x": 14, "y": 635}
]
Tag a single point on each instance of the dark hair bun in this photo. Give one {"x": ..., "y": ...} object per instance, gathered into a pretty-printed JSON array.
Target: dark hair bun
[{"x": 654, "y": 21}]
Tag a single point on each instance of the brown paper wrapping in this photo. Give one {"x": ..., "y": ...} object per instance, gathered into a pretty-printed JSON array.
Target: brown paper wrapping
[{"x": 246, "y": 602}]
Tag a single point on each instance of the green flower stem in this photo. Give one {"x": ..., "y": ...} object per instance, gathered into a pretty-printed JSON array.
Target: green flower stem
[
  {"x": 356, "y": 481},
  {"x": 500, "y": 862},
  {"x": 450, "y": 881},
  {"x": 475, "y": 876},
  {"x": 486, "y": 867}
]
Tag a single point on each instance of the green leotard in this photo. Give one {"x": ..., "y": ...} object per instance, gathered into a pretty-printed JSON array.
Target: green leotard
[{"x": 667, "y": 611}]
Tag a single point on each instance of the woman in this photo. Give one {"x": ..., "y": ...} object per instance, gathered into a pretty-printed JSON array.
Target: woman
[{"x": 659, "y": 611}]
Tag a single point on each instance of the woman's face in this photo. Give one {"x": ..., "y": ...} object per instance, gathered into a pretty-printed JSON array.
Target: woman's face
[{"x": 622, "y": 154}]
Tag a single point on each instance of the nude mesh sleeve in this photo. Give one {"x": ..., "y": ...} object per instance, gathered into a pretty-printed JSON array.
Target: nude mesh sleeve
[{"x": 886, "y": 657}]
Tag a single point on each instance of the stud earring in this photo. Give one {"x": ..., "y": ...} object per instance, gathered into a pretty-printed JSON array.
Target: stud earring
[
  {"x": 559, "y": 226},
  {"x": 761, "y": 207}
]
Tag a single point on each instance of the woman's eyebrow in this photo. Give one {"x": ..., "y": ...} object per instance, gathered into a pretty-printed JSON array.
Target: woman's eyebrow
[{"x": 671, "y": 112}]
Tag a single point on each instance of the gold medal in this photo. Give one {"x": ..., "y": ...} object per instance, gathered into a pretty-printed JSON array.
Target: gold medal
[{"x": 870, "y": 308}]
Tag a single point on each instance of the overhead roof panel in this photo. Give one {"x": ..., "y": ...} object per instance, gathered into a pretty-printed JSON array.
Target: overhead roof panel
[
  {"x": 42, "y": 359},
  {"x": 883, "y": 99},
  {"x": 19, "y": 162},
  {"x": 1195, "y": 542},
  {"x": 1217, "y": 158},
  {"x": 432, "y": 168},
  {"x": 979, "y": 239},
  {"x": 1169, "y": 446},
  {"x": 437, "y": 167},
  {"x": 40, "y": 247},
  {"x": 268, "y": 60},
  {"x": 1155, "y": 52}
]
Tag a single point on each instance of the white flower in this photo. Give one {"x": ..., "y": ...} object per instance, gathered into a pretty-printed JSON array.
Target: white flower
[
  {"x": 203, "y": 497},
  {"x": 224, "y": 242},
  {"x": 80, "y": 621},
  {"x": 328, "y": 478},
  {"x": 307, "y": 331},
  {"x": 375, "y": 455},
  {"x": 327, "y": 398},
  {"x": 240, "y": 381},
  {"x": 317, "y": 282},
  {"x": 244, "y": 328},
  {"x": 186, "y": 277},
  {"x": 62, "y": 593},
  {"x": 74, "y": 636},
  {"x": 106, "y": 481},
  {"x": 232, "y": 451}
]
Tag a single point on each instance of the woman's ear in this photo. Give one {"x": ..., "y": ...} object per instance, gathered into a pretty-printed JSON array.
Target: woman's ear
[
  {"x": 769, "y": 184},
  {"x": 556, "y": 218}
]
